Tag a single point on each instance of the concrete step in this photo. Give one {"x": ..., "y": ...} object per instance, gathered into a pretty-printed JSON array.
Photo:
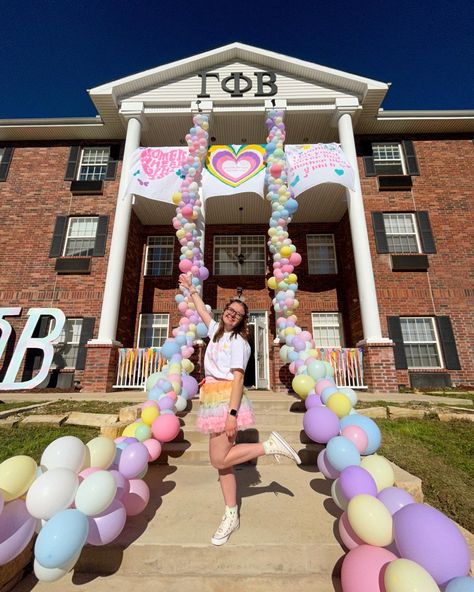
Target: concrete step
[
  {"x": 292, "y": 434},
  {"x": 178, "y": 583},
  {"x": 263, "y": 418}
]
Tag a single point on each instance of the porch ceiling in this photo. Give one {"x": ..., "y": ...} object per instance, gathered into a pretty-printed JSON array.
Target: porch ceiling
[{"x": 324, "y": 203}]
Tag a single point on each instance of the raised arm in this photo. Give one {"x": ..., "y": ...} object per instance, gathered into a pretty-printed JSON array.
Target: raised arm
[{"x": 185, "y": 282}]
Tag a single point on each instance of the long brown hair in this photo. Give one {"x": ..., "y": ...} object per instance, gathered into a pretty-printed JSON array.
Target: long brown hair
[{"x": 240, "y": 329}]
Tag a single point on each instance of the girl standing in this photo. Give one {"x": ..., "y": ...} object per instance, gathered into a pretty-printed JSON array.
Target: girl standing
[{"x": 224, "y": 407}]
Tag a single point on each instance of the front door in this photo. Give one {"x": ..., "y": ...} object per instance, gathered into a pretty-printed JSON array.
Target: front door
[{"x": 256, "y": 374}]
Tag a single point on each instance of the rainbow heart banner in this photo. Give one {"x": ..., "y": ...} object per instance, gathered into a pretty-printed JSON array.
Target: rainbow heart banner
[
  {"x": 313, "y": 164},
  {"x": 156, "y": 173},
  {"x": 234, "y": 169}
]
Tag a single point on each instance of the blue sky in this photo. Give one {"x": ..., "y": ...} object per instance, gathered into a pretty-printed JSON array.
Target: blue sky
[{"x": 52, "y": 51}]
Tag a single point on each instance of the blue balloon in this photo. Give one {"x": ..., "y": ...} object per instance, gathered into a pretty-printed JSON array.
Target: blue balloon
[
  {"x": 169, "y": 348},
  {"x": 460, "y": 584},
  {"x": 370, "y": 428},
  {"x": 61, "y": 538},
  {"x": 291, "y": 205},
  {"x": 327, "y": 392},
  {"x": 342, "y": 453},
  {"x": 201, "y": 330}
]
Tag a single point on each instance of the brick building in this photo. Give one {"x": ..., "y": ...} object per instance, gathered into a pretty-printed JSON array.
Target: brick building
[{"x": 387, "y": 271}]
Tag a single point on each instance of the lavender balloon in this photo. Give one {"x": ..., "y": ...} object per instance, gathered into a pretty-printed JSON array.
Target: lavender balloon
[
  {"x": 321, "y": 424},
  {"x": 432, "y": 540},
  {"x": 394, "y": 499},
  {"x": 313, "y": 401},
  {"x": 355, "y": 480},
  {"x": 325, "y": 466}
]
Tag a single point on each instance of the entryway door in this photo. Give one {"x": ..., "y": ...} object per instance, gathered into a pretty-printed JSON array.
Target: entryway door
[{"x": 257, "y": 373}]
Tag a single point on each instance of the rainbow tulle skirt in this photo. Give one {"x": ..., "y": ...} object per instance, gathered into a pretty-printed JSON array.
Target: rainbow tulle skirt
[{"x": 214, "y": 400}]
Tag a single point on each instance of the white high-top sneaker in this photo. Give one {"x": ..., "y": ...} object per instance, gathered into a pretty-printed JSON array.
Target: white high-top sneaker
[
  {"x": 277, "y": 445},
  {"x": 230, "y": 522}
]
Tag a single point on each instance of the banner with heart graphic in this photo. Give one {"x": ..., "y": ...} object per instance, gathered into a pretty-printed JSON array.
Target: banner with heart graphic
[
  {"x": 156, "y": 172},
  {"x": 234, "y": 169},
  {"x": 313, "y": 164}
]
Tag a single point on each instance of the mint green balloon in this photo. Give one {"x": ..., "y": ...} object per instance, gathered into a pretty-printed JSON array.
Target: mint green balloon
[
  {"x": 317, "y": 369},
  {"x": 143, "y": 432}
]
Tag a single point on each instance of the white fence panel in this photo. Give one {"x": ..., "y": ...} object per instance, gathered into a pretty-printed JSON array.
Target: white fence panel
[{"x": 135, "y": 365}]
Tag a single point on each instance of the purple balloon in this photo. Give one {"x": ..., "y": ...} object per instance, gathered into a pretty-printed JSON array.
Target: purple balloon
[
  {"x": 355, "y": 480},
  {"x": 325, "y": 466},
  {"x": 321, "y": 424},
  {"x": 165, "y": 403},
  {"x": 394, "y": 499},
  {"x": 190, "y": 384},
  {"x": 106, "y": 526},
  {"x": 133, "y": 460},
  {"x": 313, "y": 401},
  {"x": 431, "y": 539},
  {"x": 123, "y": 485},
  {"x": 16, "y": 529}
]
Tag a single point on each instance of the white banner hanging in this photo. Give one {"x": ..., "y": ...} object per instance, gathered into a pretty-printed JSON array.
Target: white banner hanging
[{"x": 313, "y": 164}]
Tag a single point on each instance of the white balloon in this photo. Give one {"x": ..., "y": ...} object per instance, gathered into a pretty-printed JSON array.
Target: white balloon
[
  {"x": 53, "y": 491},
  {"x": 180, "y": 403},
  {"x": 95, "y": 493},
  {"x": 337, "y": 496},
  {"x": 47, "y": 574},
  {"x": 67, "y": 452}
]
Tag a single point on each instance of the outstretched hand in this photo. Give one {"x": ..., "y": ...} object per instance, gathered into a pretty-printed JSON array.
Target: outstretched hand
[{"x": 185, "y": 280}]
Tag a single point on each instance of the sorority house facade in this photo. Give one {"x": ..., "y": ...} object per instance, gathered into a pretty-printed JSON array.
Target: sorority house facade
[{"x": 386, "y": 280}]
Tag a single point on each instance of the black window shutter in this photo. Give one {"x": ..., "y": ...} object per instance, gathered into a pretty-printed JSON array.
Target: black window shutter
[
  {"x": 41, "y": 330},
  {"x": 410, "y": 156},
  {"x": 426, "y": 234},
  {"x": 58, "y": 236},
  {"x": 101, "y": 237},
  {"x": 381, "y": 243},
  {"x": 74, "y": 155},
  {"x": 364, "y": 149},
  {"x": 113, "y": 161},
  {"x": 5, "y": 162},
  {"x": 86, "y": 334},
  {"x": 395, "y": 334},
  {"x": 448, "y": 343}
]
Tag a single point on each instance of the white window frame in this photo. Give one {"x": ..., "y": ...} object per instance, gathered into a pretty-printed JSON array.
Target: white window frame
[
  {"x": 261, "y": 259},
  {"x": 169, "y": 262},
  {"x": 157, "y": 323},
  {"x": 93, "y": 177},
  {"x": 313, "y": 262},
  {"x": 380, "y": 161},
  {"x": 415, "y": 232},
  {"x": 436, "y": 341},
  {"x": 336, "y": 324},
  {"x": 61, "y": 340},
  {"x": 68, "y": 237},
  {"x": 2, "y": 152}
]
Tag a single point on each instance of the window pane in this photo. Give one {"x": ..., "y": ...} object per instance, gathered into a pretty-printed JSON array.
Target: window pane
[
  {"x": 321, "y": 254},
  {"x": 159, "y": 256},
  {"x": 400, "y": 230},
  {"x": 387, "y": 159},
  {"x": 327, "y": 329},
  {"x": 239, "y": 255},
  {"x": 153, "y": 330},
  {"x": 81, "y": 235},
  {"x": 66, "y": 346},
  {"x": 94, "y": 164},
  {"x": 2, "y": 150},
  {"x": 420, "y": 342}
]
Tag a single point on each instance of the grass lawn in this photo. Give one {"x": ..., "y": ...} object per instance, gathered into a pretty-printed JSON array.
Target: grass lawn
[
  {"x": 66, "y": 406},
  {"x": 442, "y": 455},
  {"x": 7, "y": 406}
]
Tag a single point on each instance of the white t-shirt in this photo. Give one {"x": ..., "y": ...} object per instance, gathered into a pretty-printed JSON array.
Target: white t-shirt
[{"x": 227, "y": 354}]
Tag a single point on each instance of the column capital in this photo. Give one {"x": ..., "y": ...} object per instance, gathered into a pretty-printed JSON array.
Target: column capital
[
  {"x": 346, "y": 106},
  {"x": 201, "y": 106},
  {"x": 133, "y": 110}
]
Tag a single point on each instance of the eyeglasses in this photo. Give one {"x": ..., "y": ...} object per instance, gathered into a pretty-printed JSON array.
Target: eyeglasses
[{"x": 235, "y": 313}]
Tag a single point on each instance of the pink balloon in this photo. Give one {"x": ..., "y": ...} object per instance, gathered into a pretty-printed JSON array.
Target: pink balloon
[
  {"x": 357, "y": 436},
  {"x": 295, "y": 259},
  {"x": 364, "y": 567},
  {"x": 185, "y": 265},
  {"x": 154, "y": 449},
  {"x": 322, "y": 384},
  {"x": 86, "y": 472},
  {"x": 136, "y": 500},
  {"x": 16, "y": 529},
  {"x": 150, "y": 403},
  {"x": 165, "y": 427},
  {"x": 106, "y": 527},
  {"x": 347, "y": 534}
]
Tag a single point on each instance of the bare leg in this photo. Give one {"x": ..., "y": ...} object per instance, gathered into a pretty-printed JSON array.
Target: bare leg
[
  {"x": 228, "y": 486},
  {"x": 224, "y": 454}
]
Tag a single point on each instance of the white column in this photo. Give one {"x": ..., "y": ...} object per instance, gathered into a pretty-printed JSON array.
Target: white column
[
  {"x": 118, "y": 247},
  {"x": 360, "y": 241}
]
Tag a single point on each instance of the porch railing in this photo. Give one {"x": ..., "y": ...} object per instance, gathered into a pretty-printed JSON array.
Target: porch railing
[
  {"x": 347, "y": 364},
  {"x": 135, "y": 365}
]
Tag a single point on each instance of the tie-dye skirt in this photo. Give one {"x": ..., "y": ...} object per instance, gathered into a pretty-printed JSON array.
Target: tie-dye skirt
[{"x": 214, "y": 400}]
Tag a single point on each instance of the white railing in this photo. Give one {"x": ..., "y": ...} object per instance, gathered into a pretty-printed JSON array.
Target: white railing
[
  {"x": 347, "y": 364},
  {"x": 135, "y": 365}
]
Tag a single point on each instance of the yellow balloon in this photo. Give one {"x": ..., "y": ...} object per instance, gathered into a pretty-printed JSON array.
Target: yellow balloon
[
  {"x": 180, "y": 233},
  {"x": 272, "y": 283},
  {"x": 176, "y": 198},
  {"x": 285, "y": 251},
  {"x": 187, "y": 365},
  {"x": 175, "y": 368},
  {"x": 149, "y": 414},
  {"x": 340, "y": 404},
  {"x": 370, "y": 520},
  {"x": 404, "y": 575},
  {"x": 102, "y": 452},
  {"x": 129, "y": 431},
  {"x": 292, "y": 278},
  {"x": 16, "y": 475},
  {"x": 380, "y": 469},
  {"x": 176, "y": 386},
  {"x": 302, "y": 385}
]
